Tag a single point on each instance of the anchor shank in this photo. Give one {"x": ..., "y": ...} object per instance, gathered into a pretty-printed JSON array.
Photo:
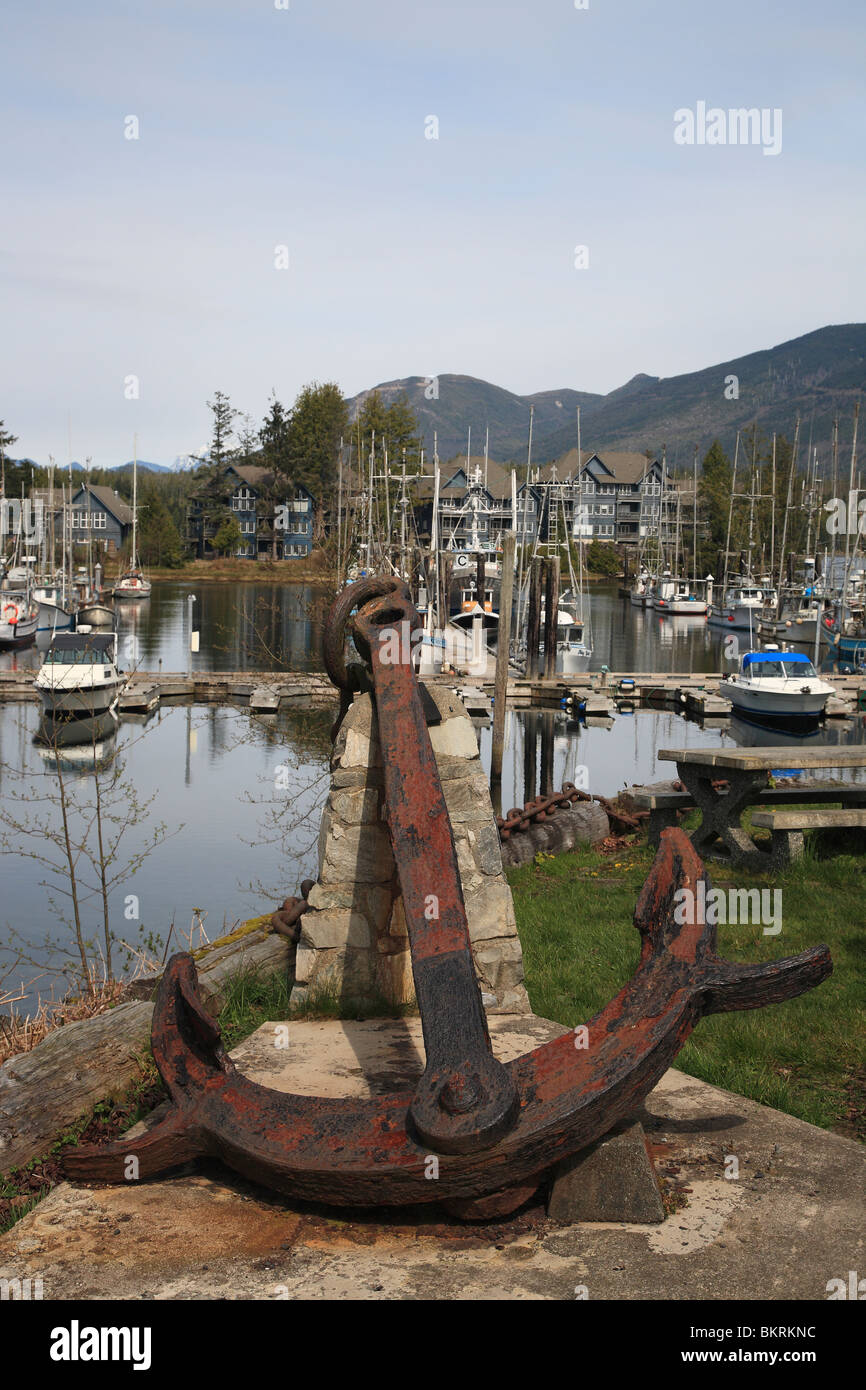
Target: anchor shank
[{"x": 466, "y": 1100}]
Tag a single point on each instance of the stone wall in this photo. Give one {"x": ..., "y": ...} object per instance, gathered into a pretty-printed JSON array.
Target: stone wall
[{"x": 354, "y": 943}]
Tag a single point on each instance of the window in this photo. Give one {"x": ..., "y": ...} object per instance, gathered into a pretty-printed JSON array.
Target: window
[{"x": 88, "y": 521}]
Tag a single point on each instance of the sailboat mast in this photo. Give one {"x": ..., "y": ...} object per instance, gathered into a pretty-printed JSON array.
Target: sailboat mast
[
  {"x": 694, "y": 583},
  {"x": 134, "y": 499}
]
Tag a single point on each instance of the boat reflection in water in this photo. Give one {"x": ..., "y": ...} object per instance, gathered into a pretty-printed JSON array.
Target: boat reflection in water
[{"x": 78, "y": 744}]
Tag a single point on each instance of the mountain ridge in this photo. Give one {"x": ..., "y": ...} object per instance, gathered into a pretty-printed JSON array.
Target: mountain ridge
[{"x": 816, "y": 375}]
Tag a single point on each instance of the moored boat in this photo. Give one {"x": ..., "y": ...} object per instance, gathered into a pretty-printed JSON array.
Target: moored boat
[
  {"x": 778, "y": 688},
  {"x": 79, "y": 674}
]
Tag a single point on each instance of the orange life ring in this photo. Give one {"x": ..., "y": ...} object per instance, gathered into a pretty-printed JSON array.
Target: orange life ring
[{"x": 10, "y": 608}]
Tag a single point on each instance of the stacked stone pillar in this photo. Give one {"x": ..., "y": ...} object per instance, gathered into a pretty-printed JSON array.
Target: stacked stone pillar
[{"x": 354, "y": 946}]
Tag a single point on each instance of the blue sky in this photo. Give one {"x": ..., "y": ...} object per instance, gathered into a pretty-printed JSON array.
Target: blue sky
[{"x": 305, "y": 127}]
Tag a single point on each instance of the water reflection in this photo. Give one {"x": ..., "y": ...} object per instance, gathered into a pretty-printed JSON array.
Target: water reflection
[
  {"x": 544, "y": 748},
  {"x": 239, "y": 801},
  {"x": 78, "y": 745}
]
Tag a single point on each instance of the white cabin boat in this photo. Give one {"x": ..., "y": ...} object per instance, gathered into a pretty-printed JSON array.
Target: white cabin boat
[
  {"x": 778, "y": 688},
  {"x": 79, "y": 675}
]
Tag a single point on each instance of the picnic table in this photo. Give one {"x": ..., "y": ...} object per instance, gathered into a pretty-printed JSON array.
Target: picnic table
[{"x": 746, "y": 773}]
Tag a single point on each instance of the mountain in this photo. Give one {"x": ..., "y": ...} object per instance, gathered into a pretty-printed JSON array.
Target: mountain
[
  {"x": 818, "y": 375},
  {"x": 465, "y": 401},
  {"x": 143, "y": 467}
]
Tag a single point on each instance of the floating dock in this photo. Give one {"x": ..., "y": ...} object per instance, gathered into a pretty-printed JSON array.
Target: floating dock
[{"x": 598, "y": 694}]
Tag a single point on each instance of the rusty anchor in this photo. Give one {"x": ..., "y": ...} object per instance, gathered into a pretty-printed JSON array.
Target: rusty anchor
[{"x": 496, "y": 1129}]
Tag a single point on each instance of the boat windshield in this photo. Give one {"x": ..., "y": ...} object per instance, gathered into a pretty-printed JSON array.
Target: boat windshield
[
  {"x": 77, "y": 656},
  {"x": 782, "y": 669}
]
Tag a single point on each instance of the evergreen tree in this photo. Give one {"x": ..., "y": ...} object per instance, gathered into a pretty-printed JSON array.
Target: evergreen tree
[
  {"x": 158, "y": 537},
  {"x": 395, "y": 427},
  {"x": 224, "y": 415},
  {"x": 319, "y": 419},
  {"x": 228, "y": 537}
]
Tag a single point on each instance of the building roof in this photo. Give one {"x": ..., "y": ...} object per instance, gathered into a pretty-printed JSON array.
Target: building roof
[
  {"x": 110, "y": 500},
  {"x": 498, "y": 477},
  {"x": 252, "y": 473},
  {"x": 625, "y": 467}
]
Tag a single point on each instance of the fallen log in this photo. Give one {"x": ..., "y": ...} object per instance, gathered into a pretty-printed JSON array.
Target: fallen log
[
  {"x": 44, "y": 1091},
  {"x": 584, "y": 823}
]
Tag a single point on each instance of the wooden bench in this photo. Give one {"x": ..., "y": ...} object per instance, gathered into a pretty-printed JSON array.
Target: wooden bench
[
  {"x": 788, "y": 826},
  {"x": 746, "y": 774},
  {"x": 664, "y": 803}
]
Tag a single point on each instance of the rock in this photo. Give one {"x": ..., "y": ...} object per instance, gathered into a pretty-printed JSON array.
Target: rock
[
  {"x": 335, "y": 930},
  {"x": 612, "y": 1180}
]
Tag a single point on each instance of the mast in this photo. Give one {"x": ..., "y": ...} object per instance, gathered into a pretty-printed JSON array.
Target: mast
[
  {"x": 787, "y": 510},
  {"x": 851, "y": 504},
  {"x": 51, "y": 512},
  {"x": 523, "y": 527},
  {"x": 773, "y": 518},
  {"x": 694, "y": 583},
  {"x": 134, "y": 499},
  {"x": 835, "y": 494},
  {"x": 730, "y": 520}
]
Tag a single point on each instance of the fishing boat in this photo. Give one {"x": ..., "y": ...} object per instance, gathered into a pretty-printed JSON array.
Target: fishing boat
[
  {"x": 675, "y": 597},
  {"x": 132, "y": 584},
  {"x": 19, "y": 616},
  {"x": 19, "y": 611},
  {"x": 639, "y": 593},
  {"x": 57, "y": 605},
  {"x": 741, "y": 606},
  {"x": 778, "y": 688},
  {"x": 79, "y": 674}
]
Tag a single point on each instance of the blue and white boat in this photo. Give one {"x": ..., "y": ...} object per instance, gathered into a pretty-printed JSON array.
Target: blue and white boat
[{"x": 778, "y": 688}]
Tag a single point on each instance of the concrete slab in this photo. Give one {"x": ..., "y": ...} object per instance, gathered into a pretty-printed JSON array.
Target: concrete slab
[{"x": 761, "y": 1207}]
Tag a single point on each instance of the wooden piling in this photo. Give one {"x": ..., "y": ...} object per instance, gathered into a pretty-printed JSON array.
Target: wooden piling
[
  {"x": 551, "y": 609},
  {"x": 503, "y": 643},
  {"x": 533, "y": 621}
]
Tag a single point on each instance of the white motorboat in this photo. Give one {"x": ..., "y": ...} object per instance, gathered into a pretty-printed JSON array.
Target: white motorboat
[
  {"x": 778, "y": 688},
  {"x": 79, "y": 674}
]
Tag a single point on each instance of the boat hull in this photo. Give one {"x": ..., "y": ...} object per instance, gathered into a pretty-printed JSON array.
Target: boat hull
[
  {"x": 78, "y": 700},
  {"x": 738, "y": 616},
  {"x": 96, "y": 615},
  {"x": 54, "y": 618}
]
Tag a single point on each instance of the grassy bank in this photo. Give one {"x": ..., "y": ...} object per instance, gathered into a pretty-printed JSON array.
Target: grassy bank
[
  {"x": 236, "y": 572},
  {"x": 805, "y": 1057}
]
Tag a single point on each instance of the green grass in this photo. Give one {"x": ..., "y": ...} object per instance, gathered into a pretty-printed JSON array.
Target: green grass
[{"x": 575, "y": 916}]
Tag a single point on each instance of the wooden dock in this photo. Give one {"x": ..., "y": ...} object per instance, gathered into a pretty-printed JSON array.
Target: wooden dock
[{"x": 597, "y": 694}]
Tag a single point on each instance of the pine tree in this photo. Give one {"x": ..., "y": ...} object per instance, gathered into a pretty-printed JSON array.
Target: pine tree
[
  {"x": 158, "y": 537},
  {"x": 319, "y": 420},
  {"x": 224, "y": 415}
]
